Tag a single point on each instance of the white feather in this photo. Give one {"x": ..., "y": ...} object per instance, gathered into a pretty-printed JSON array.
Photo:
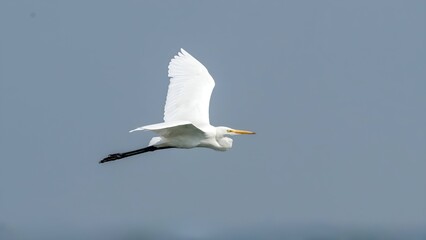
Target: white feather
[
  {"x": 179, "y": 133},
  {"x": 162, "y": 125},
  {"x": 190, "y": 89}
]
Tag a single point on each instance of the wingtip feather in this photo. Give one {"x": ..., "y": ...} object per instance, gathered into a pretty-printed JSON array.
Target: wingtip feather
[
  {"x": 137, "y": 129},
  {"x": 183, "y": 51}
]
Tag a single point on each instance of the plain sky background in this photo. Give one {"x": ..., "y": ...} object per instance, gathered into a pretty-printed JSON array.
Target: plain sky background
[{"x": 335, "y": 90}]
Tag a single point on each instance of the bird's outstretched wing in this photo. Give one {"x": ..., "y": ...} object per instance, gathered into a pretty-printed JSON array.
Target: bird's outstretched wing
[
  {"x": 190, "y": 88},
  {"x": 173, "y": 129},
  {"x": 182, "y": 134}
]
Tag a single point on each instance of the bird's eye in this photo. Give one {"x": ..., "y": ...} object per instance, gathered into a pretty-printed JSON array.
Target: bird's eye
[{"x": 229, "y": 130}]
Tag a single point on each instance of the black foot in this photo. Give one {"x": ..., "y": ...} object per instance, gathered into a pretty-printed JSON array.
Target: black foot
[{"x": 112, "y": 157}]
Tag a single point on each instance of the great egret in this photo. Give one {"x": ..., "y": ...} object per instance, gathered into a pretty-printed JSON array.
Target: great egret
[{"x": 186, "y": 114}]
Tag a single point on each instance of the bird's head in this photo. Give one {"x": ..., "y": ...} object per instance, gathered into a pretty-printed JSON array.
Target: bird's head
[{"x": 224, "y": 141}]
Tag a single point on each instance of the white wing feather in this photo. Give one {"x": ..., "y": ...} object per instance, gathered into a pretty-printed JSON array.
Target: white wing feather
[
  {"x": 190, "y": 88},
  {"x": 159, "y": 126},
  {"x": 175, "y": 129},
  {"x": 179, "y": 133}
]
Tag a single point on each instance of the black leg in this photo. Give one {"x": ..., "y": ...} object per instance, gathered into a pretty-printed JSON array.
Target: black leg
[{"x": 116, "y": 156}]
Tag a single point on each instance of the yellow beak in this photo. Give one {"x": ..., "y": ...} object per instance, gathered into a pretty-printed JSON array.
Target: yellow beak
[{"x": 240, "y": 131}]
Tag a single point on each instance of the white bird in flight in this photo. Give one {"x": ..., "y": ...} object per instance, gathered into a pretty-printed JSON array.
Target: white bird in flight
[{"x": 186, "y": 114}]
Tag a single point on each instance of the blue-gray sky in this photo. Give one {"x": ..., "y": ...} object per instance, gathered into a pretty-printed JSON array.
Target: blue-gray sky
[{"x": 334, "y": 89}]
